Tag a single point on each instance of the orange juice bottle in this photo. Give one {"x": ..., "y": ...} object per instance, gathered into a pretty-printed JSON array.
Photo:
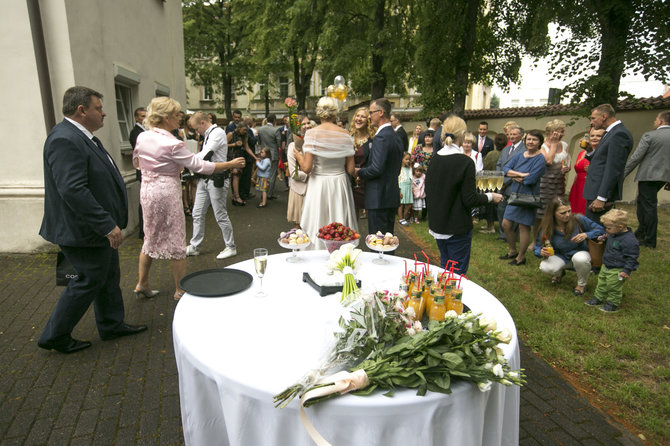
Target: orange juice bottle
[
  {"x": 457, "y": 300},
  {"x": 427, "y": 295},
  {"x": 548, "y": 247},
  {"x": 437, "y": 310},
  {"x": 415, "y": 302},
  {"x": 411, "y": 281}
]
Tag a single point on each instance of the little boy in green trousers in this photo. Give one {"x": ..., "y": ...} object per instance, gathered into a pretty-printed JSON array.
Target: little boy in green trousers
[{"x": 619, "y": 261}]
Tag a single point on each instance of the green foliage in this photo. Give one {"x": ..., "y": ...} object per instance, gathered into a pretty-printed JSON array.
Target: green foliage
[
  {"x": 443, "y": 69},
  {"x": 217, "y": 45},
  {"x": 605, "y": 38}
]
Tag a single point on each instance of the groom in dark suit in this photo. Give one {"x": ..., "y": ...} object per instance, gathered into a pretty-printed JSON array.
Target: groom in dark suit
[
  {"x": 382, "y": 194},
  {"x": 604, "y": 179},
  {"x": 85, "y": 207}
]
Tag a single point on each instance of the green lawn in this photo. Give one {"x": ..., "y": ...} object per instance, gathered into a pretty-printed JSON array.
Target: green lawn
[{"x": 620, "y": 361}]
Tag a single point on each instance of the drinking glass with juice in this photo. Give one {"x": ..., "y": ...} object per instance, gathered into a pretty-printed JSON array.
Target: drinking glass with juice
[{"x": 437, "y": 309}]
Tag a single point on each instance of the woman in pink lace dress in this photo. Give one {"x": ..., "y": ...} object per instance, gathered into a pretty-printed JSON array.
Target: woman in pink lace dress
[{"x": 161, "y": 157}]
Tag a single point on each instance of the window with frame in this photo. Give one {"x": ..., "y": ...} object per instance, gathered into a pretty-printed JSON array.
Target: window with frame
[
  {"x": 124, "y": 110},
  {"x": 283, "y": 87},
  {"x": 206, "y": 92}
]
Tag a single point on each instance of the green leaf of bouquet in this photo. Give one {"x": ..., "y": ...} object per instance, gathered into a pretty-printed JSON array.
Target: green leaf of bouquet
[
  {"x": 443, "y": 381},
  {"x": 452, "y": 359},
  {"x": 389, "y": 393}
]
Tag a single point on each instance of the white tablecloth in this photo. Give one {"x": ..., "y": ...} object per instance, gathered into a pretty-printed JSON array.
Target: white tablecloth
[{"x": 234, "y": 353}]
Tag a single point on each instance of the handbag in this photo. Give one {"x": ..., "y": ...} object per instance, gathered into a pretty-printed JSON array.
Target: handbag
[
  {"x": 64, "y": 270},
  {"x": 523, "y": 200},
  {"x": 596, "y": 250}
]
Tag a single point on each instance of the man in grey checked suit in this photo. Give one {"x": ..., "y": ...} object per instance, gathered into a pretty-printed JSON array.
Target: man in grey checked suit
[{"x": 652, "y": 155}]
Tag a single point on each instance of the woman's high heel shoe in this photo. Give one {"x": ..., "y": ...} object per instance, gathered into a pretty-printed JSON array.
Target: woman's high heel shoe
[{"x": 141, "y": 291}]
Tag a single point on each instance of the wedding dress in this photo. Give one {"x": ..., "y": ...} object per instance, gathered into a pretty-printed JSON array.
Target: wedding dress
[{"x": 328, "y": 198}]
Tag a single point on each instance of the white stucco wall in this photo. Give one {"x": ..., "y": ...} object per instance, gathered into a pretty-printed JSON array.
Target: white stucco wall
[{"x": 85, "y": 39}]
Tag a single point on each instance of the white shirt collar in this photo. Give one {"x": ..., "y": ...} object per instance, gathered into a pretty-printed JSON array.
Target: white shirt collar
[
  {"x": 140, "y": 125},
  {"x": 88, "y": 134},
  {"x": 388, "y": 124},
  {"x": 209, "y": 130},
  {"x": 451, "y": 149},
  {"x": 612, "y": 125},
  {"x": 664, "y": 126}
]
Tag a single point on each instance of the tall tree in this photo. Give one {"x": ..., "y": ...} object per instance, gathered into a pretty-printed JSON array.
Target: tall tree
[
  {"x": 217, "y": 46},
  {"x": 602, "y": 39},
  {"x": 370, "y": 43},
  {"x": 462, "y": 42},
  {"x": 286, "y": 36}
]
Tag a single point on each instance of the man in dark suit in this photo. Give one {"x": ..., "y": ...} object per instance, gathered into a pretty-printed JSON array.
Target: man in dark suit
[
  {"x": 484, "y": 143},
  {"x": 140, "y": 114},
  {"x": 382, "y": 195},
  {"x": 652, "y": 155},
  {"x": 604, "y": 179},
  {"x": 270, "y": 137},
  {"x": 400, "y": 131},
  {"x": 85, "y": 207}
]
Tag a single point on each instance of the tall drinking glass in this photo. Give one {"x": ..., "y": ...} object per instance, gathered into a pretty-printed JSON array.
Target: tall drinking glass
[{"x": 260, "y": 263}]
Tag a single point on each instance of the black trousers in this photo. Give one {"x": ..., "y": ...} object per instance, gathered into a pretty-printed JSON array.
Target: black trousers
[
  {"x": 98, "y": 283},
  {"x": 382, "y": 220},
  {"x": 647, "y": 214},
  {"x": 245, "y": 178}
]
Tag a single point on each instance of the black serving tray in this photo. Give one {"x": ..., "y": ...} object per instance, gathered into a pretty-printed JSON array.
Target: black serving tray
[
  {"x": 219, "y": 282},
  {"x": 324, "y": 290}
]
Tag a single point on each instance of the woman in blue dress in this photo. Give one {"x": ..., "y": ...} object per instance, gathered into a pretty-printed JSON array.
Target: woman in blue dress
[{"x": 525, "y": 169}]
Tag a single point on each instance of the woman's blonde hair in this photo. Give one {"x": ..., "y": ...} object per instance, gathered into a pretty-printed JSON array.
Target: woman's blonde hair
[
  {"x": 554, "y": 125},
  {"x": 453, "y": 129},
  {"x": 509, "y": 124},
  {"x": 469, "y": 137},
  {"x": 326, "y": 109},
  {"x": 159, "y": 110},
  {"x": 368, "y": 125}
]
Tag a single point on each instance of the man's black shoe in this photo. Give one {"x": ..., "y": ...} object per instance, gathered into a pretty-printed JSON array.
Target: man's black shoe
[
  {"x": 274, "y": 197},
  {"x": 123, "y": 330},
  {"x": 70, "y": 346}
]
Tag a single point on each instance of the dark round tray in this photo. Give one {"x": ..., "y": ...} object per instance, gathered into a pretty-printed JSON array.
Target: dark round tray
[{"x": 218, "y": 282}]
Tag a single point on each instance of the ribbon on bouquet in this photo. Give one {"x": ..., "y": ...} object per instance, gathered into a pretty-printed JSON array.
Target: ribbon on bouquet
[{"x": 342, "y": 382}]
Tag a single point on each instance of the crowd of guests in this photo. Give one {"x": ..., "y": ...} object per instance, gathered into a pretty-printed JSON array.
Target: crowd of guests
[{"x": 372, "y": 170}]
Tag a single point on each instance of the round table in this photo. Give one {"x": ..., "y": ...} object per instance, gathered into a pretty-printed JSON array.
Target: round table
[{"x": 234, "y": 353}]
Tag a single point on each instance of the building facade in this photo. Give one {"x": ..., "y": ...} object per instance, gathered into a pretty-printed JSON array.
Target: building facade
[{"x": 130, "y": 51}]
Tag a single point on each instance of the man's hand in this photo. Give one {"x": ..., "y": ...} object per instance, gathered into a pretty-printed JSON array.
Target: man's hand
[
  {"x": 597, "y": 205},
  {"x": 496, "y": 198},
  {"x": 115, "y": 238},
  {"x": 237, "y": 163}
]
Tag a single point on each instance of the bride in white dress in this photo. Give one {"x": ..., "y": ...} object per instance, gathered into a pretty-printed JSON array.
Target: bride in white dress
[{"x": 329, "y": 160}]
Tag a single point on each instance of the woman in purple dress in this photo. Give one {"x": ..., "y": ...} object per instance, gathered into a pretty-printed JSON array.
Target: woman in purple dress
[{"x": 161, "y": 157}]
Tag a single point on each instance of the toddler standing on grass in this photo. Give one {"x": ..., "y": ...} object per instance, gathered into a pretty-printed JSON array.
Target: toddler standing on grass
[
  {"x": 263, "y": 172},
  {"x": 418, "y": 190},
  {"x": 406, "y": 194},
  {"x": 619, "y": 261}
]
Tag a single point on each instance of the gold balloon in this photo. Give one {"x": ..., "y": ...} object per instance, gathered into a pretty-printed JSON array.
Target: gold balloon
[
  {"x": 330, "y": 91},
  {"x": 341, "y": 92}
]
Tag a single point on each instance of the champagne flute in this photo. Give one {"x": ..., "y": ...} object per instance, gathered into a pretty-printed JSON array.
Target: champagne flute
[{"x": 260, "y": 263}]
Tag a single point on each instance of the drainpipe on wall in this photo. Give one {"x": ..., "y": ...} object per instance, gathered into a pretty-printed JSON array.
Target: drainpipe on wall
[{"x": 42, "y": 63}]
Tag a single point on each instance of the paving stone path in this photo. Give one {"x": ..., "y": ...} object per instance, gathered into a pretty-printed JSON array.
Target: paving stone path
[{"x": 126, "y": 392}]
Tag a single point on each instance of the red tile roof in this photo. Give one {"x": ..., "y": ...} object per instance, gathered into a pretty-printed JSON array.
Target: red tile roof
[{"x": 563, "y": 109}]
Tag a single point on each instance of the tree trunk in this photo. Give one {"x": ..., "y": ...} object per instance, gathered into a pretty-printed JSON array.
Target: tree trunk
[
  {"x": 464, "y": 58},
  {"x": 301, "y": 80},
  {"x": 378, "y": 85},
  {"x": 615, "y": 19}
]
